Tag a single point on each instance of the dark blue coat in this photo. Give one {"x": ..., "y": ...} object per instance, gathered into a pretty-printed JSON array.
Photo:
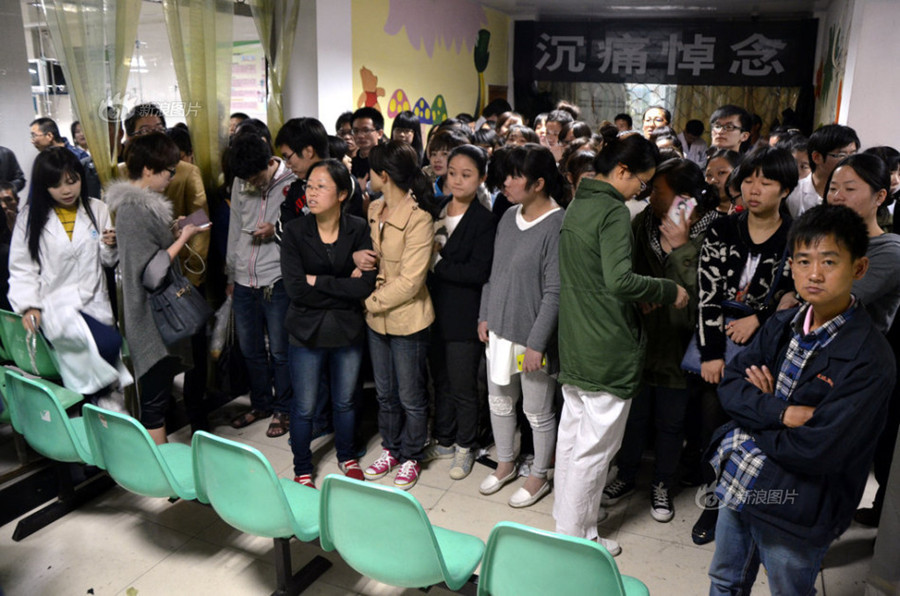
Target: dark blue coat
[{"x": 820, "y": 467}]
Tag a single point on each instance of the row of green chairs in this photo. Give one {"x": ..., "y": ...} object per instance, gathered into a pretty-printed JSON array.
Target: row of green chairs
[
  {"x": 379, "y": 531},
  {"x": 37, "y": 409},
  {"x": 31, "y": 354}
]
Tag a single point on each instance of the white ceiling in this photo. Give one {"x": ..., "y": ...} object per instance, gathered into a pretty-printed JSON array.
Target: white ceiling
[{"x": 654, "y": 8}]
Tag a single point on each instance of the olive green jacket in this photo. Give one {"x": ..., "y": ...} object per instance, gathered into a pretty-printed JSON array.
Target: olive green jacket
[
  {"x": 669, "y": 330},
  {"x": 601, "y": 343}
]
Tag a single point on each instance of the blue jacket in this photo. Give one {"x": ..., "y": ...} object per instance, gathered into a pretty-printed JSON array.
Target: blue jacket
[{"x": 821, "y": 467}]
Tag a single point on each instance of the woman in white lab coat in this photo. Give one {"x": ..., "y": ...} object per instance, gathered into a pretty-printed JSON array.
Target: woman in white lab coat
[{"x": 59, "y": 246}]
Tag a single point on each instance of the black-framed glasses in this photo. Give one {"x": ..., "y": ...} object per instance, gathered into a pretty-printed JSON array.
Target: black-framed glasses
[
  {"x": 171, "y": 171},
  {"x": 726, "y": 127},
  {"x": 288, "y": 157},
  {"x": 363, "y": 131},
  {"x": 841, "y": 155}
]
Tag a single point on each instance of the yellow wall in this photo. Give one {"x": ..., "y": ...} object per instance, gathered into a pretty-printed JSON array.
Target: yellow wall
[{"x": 399, "y": 65}]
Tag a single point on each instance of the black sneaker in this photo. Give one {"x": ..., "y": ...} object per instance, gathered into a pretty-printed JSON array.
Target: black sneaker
[
  {"x": 661, "y": 507},
  {"x": 616, "y": 490}
]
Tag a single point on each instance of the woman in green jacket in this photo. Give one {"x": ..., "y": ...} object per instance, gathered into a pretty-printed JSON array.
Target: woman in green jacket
[
  {"x": 600, "y": 337},
  {"x": 668, "y": 237}
]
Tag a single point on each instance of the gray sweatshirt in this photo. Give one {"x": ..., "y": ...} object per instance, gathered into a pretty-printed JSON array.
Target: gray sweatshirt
[
  {"x": 250, "y": 261},
  {"x": 879, "y": 289},
  {"x": 520, "y": 302}
]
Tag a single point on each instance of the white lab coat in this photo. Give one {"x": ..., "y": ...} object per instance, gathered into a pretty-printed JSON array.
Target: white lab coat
[{"x": 69, "y": 280}]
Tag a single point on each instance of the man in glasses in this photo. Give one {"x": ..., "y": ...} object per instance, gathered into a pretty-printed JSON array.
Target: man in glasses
[
  {"x": 730, "y": 128},
  {"x": 45, "y": 134},
  {"x": 826, "y": 148},
  {"x": 368, "y": 131}
]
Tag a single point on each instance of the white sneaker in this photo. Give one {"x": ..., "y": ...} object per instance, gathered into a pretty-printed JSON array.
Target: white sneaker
[
  {"x": 462, "y": 463},
  {"x": 611, "y": 545}
]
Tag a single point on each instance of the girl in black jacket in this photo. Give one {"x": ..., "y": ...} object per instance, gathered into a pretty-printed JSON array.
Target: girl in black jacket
[{"x": 463, "y": 251}]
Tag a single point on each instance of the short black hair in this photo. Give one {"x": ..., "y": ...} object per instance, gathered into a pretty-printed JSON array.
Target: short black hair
[
  {"x": 694, "y": 127},
  {"x": 254, "y": 126},
  {"x": 155, "y": 151},
  {"x": 249, "y": 155},
  {"x": 845, "y": 225},
  {"x": 47, "y": 125},
  {"x": 345, "y": 118},
  {"x": 300, "y": 133},
  {"x": 626, "y": 117},
  {"x": 371, "y": 113},
  {"x": 496, "y": 107},
  {"x": 182, "y": 138},
  {"x": 773, "y": 163},
  {"x": 561, "y": 116},
  {"x": 141, "y": 111},
  {"x": 729, "y": 110},
  {"x": 828, "y": 138},
  {"x": 337, "y": 147}
]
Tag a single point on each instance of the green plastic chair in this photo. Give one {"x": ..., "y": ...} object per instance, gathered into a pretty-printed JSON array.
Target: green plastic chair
[
  {"x": 123, "y": 447},
  {"x": 40, "y": 415},
  {"x": 242, "y": 487},
  {"x": 521, "y": 560},
  {"x": 66, "y": 397},
  {"x": 15, "y": 339},
  {"x": 384, "y": 533}
]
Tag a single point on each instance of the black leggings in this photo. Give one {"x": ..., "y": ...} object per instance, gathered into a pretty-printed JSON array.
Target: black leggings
[{"x": 155, "y": 388}]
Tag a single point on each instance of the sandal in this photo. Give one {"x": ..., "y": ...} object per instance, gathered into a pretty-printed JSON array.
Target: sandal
[
  {"x": 248, "y": 418},
  {"x": 279, "y": 426}
]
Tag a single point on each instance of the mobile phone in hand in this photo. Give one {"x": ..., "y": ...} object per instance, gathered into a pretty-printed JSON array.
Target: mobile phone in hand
[{"x": 198, "y": 218}]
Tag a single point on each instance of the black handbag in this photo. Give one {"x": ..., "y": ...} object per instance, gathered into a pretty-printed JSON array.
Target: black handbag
[{"x": 179, "y": 309}]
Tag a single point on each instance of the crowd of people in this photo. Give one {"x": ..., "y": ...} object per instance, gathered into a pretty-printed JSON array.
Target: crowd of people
[{"x": 567, "y": 294}]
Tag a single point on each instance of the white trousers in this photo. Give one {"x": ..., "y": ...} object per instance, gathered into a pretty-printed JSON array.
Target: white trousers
[{"x": 590, "y": 433}]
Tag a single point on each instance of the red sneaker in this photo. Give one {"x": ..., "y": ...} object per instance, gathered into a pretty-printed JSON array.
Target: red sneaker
[
  {"x": 351, "y": 469},
  {"x": 305, "y": 480},
  {"x": 382, "y": 466},
  {"x": 408, "y": 475}
]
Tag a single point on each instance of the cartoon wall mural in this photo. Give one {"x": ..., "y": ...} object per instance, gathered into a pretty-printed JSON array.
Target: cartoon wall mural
[
  {"x": 482, "y": 57},
  {"x": 371, "y": 91},
  {"x": 454, "y": 23},
  {"x": 433, "y": 59}
]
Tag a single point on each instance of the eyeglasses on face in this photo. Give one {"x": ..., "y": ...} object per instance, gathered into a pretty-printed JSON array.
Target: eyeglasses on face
[{"x": 726, "y": 127}]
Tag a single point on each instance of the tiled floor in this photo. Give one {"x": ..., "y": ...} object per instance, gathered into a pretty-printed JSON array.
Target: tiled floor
[{"x": 128, "y": 545}]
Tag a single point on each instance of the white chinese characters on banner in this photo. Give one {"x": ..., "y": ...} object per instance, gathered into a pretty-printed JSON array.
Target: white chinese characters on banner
[
  {"x": 756, "y": 55},
  {"x": 563, "y": 48},
  {"x": 625, "y": 53},
  {"x": 695, "y": 57}
]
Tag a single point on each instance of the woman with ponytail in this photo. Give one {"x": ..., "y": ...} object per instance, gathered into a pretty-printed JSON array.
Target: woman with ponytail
[
  {"x": 518, "y": 318},
  {"x": 600, "y": 337},
  {"x": 668, "y": 236},
  {"x": 399, "y": 311}
]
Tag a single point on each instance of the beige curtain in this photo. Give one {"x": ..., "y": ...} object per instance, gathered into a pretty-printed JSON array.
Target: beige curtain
[
  {"x": 94, "y": 40},
  {"x": 276, "y": 23},
  {"x": 200, "y": 35},
  {"x": 695, "y": 102}
]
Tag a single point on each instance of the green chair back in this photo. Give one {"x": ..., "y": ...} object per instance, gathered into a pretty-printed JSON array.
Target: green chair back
[
  {"x": 526, "y": 561},
  {"x": 240, "y": 484},
  {"x": 41, "y": 417},
  {"x": 384, "y": 533},
  {"x": 123, "y": 447},
  {"x": 66, "y": 397},
  {"x": 15, "y": 339}
]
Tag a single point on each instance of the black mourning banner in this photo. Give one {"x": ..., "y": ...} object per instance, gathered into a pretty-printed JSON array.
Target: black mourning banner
[{"x": 674, "y": 52}]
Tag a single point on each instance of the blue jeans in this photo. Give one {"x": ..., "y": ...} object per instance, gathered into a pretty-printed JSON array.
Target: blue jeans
[
  {"x": 398, "y": 364},
  {"x": 306, "y": 372},
  {"x": 256, "y": 315},
  {"x": 742, "y": 543}
]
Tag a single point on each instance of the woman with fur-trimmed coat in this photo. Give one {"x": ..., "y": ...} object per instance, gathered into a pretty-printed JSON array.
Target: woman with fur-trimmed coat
[{"x": 146, "y": 250}]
